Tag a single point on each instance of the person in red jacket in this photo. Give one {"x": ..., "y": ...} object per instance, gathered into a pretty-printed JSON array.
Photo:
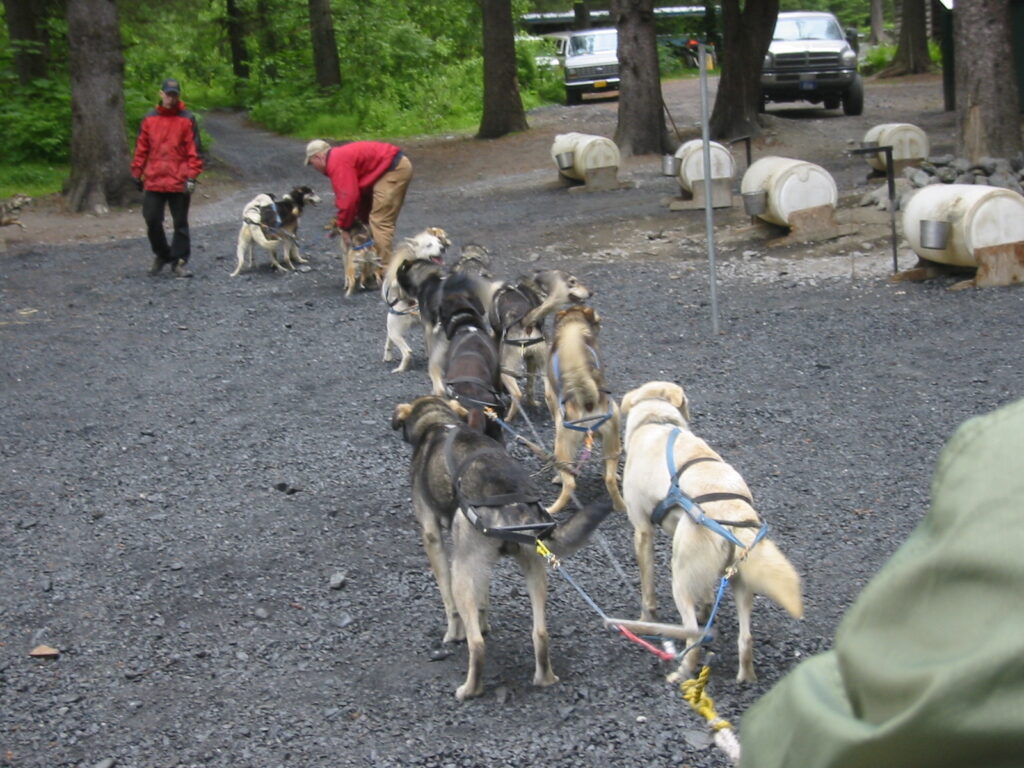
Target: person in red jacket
[
  {"x": 370, "y": 179},
  {"x": 168, "y": 158}
]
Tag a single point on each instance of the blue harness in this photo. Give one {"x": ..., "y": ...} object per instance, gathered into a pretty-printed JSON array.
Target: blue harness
[
  {"x": 368, "y": 244},
  {"x": 588, "y": 423},
  {"x": 677, "y": 498}
]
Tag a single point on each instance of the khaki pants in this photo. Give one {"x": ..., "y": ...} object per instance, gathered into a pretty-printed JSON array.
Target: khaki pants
[{"x": 388, "y": 196}]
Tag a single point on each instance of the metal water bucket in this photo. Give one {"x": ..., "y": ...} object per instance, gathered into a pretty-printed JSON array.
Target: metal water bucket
[
  {"x": 755, "y": 203},
  {"x": 565, "y": 160},
  {"x": 670, "y": 165},
  {"x": 934, "y": 234}
]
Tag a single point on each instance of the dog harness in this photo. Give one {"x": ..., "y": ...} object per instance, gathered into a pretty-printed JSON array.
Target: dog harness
[
  {"x": 495, "y": 317},
  {"x": 464, "y": 399},
  {"x": 486, "y": 514},
  {"x": 676, "y": 497},
  {"x": 587, "y": 423}
]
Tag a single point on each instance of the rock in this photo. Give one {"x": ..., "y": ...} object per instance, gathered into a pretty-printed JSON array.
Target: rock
[{"x": 338, "y": 580}]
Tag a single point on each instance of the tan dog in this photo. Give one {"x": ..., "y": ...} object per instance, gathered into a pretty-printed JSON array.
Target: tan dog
[
  {"x": 656, "y": 413},
  {"x": 578, "y": 401},
  {"x": 362, "y": 264}
]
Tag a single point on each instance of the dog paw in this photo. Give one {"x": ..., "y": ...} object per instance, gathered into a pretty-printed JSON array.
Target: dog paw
[
  {"x": 543, "y": 680},
  {"x": 465, "y": 691},
  {"x": 746, "y": 675},
  {"x": 456, "y": 632}
]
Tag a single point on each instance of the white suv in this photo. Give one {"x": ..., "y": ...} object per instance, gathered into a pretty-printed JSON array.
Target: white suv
[
  {"x": 590, "y": 60},
  {"x": 811, "y": 59}
]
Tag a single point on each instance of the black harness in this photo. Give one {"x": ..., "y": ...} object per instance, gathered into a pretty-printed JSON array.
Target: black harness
[
  {"x": 486, "y": 514},
  {"x": 488, "y": 362}
]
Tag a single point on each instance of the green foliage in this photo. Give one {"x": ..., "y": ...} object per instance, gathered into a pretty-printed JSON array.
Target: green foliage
[
  {"x": 408, "y": 67},
  {"x": 876, "y": 58},
  {"x": 32, "y": 179}
]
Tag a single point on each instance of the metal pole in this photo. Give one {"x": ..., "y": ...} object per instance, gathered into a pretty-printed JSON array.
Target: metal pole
[
  {"x": 708, "y": 209},
  {"x": 890, "y": 180}
]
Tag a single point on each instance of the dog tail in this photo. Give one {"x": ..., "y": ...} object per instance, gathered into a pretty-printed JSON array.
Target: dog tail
[
  {"x": 768, "y": 572},
  {"x": 574, "y": 532}
]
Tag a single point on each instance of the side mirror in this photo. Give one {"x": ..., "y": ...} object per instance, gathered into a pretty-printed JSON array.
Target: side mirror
[{"x": 853, "y": 39}]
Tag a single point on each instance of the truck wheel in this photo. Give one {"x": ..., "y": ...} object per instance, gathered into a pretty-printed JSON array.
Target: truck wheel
[
  {"x": 762, "y": 102},
  {"x": 573, "y": 97},
  {"x": 853, "y": 99}
]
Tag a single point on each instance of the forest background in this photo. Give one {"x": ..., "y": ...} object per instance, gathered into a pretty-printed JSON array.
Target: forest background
[{"x": 407, "y": 68}]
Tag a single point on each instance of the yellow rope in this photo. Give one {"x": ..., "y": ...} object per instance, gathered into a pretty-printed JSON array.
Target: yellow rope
[{"x": 693, "y": 692}]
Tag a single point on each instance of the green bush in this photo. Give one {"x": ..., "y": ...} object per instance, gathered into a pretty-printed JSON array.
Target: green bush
[{"x": 34, "y": 121}]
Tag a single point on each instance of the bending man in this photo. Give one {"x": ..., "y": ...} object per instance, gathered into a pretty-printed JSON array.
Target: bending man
[{"x": 370, "y": 179}]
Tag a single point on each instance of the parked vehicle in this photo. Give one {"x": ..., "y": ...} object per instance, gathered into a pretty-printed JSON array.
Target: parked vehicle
[
  {"x": 811, "y": 59},
  {"x": 590, "y": 60}
]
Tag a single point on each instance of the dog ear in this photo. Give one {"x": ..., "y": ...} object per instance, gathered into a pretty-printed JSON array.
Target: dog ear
[
  {"x": 628, "y": 400},
  {"x": 402, "y": 411},
  {"x": 675, "y": 395}
]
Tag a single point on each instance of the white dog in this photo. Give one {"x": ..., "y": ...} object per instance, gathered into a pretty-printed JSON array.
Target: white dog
[
  {"x": 656, "y": 493},
  {"x": 430, "y": 244},
  {"x": 273, "y": 224}
]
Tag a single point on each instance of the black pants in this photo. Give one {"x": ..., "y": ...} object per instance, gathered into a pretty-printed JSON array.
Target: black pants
[{"x": 153, "y": 212}]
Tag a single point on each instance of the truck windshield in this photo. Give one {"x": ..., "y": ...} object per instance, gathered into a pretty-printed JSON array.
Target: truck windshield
[
  {"x": 584, "y": 44},
  {"x": 807, "y": 29}
]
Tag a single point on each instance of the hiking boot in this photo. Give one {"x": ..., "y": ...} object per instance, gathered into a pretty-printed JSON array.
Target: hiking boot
[
  {"x": 180, "y": 270},
  {"x": 158, "y": 265}
]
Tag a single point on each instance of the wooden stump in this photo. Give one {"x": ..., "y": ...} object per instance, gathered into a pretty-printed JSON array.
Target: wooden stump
[{"x": 998, "y": 265}]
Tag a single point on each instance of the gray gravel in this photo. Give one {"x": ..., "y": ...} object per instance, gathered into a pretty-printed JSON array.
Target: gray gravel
[{"x": 207, "y": 512}]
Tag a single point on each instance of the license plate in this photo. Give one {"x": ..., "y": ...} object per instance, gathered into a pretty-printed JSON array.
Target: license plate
[
  {"x": 601, "y": 84},
  {"x": 808, "y": 85}
]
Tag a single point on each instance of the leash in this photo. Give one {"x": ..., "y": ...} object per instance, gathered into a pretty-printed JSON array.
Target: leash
[{"x": 549, "y": 459}]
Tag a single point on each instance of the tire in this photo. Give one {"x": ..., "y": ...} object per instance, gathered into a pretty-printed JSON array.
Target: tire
[
  {"x": 573, "y": 97},
  {"x": 853, "y": 99},
  {"x": 832, "y": 103},
  {"x": 762, "y": 102}
]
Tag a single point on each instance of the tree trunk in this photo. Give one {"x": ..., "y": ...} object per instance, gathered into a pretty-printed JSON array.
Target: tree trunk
[
  {"x": 641, "y": 126},
  {"x": 987, "y": 103},
  {"x": 877, "y": 22},
  {"x": 911, "y": 56},
  {"x": 29, "y": 38},
  {"x": 581, "y": 16},
  {"x": 100, "y": 162},
  {"x": 747, "y": 33},
  {"x": 236, "y": 40},
  {"x": 267, "y": 40},
  {"x": 503, "y": 107},
  {"x": 325, "y": 48}
]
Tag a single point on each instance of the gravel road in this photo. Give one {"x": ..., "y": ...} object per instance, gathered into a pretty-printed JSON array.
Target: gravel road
[{"x": 207, "y": 514}]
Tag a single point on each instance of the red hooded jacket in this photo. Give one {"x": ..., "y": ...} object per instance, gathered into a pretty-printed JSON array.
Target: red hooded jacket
[
  {"x": 168, "y": 149},
  {"x": 353, "y": 169}
]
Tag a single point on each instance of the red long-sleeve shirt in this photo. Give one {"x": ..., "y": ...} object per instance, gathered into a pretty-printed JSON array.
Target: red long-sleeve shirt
[{"x": 353, "y": 169}]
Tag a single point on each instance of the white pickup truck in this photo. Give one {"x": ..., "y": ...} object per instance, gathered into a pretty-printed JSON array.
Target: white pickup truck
[{"x": 811, "y": 59}]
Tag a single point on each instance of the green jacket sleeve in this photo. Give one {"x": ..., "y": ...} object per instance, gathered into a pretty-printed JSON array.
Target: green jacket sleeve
[{"x": 928, "y": 664}]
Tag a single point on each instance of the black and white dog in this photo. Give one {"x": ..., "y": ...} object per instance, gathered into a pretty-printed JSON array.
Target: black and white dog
[{"x": 273, "y": 224}]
